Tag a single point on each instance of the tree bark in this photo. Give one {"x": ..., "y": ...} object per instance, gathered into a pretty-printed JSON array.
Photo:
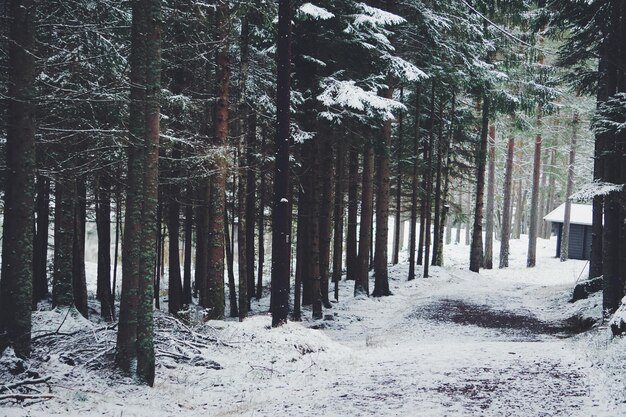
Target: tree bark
[
  {"x": 40, "y": 244},
  {"x": 414, "y": 185},
  {"x": 326, "y": 210},
  {"x": 491, "y": 189},
  {"x": 399, "y": 156},
  {"x": 78, "y": 246},
  {"x": 361, "y": 279},
  {"x": 217, "y": 204},
  {"x": 64, "y": 217},
  {"x": 353, "y": 207},
  {"x": 534, "y": 206},
  {"x": 429, "y": 182},
  {"x": 175, "y": 290},
  {"x": 476, "y": 248},
  {"x": 569, "y": 189},
  {"x": 506, "y": 208},
  {"x": 281, "y": 233},
  {"x": 16, "y": 283},
  {"x": 103, "y": 226},
  {"x": 381, "y": 274},
  {"x": 250, "y": 212},
  {"x": 186, "y": 296},
  {"x": 338, "y": 216},
  {"x": 135, "y": 331}
]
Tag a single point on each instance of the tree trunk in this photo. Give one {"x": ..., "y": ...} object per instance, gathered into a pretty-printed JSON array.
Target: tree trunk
[
  {"x": 135, "y": 333},
  {"x": 506, "y": 207},
  {"x": 361, "y": 279},
  {"x": 381, "y": 274},
  {"x": 217, "y": 205},
  {"x": 534, "y": 206},
  {"x": 438, "y": 197},
  {"x": 175, "y": 290},
  {"x": 491, "y": 190},
  {"x": 250, "y": 212},
  {"x": 261, "y": 237},
  {"x": 314, "y": 228},
  {"x": 338, "y": 215},
  {"x": 281, "y": 213},
  {"x": 186, "y": 297},
  {"x": 399, "y": 156},
  {"x": 414, "y": 185},
  {"x": 64, "y": 218},
  {"x": 569, "y": 189},
  {"x": 103, "y": 226},
  {"x": 16, "y": 284},
  {"x": 40, "y": 244},
  {"x": 429, "y": 182},
  {"x": 476, "y": 248},
  {"x": 326, "y": 209},
  {"x": 353, "y": 207},
  {"x": 232, "y": 288}
]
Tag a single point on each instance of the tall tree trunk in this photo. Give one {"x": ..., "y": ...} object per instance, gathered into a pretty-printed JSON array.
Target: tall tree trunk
[
  {"x": 217, "y": 205},
  {"x": 250, "y": 212},
  {"x": 232, "y": 288},
  {"x": 261, "y": 237},
  {"x": 281, "y": 213},
  {"x": 135, "y": 332},
  {"x": 40, "y": 244},
  {"x": 595, "y": 262},
  {"x": 550, "y": 193},
  {"x": 103, "y": 226},
  {"x": 186, "y": 296},
  {"x": 429, "y": 182},
  {"x": 506, "y": 206},
  {"x": 399, "y": 156},
  {"x": 414, "y": 184},
  {"x": 338, "y": 215},
  {"x": 242, "y": 229},
  {"x": 353, "y": 207},
  {"x": 325, "y": 219},
  {"x": 78, "y": 268},
  {"x": 175, "y": 290},
  {"x": 534, "y": 206},
  {"x": 314, "y": 228},
  {"x": 476, "y": 248},
  {"x": 381, "y": 274},
  {"x": 16, "y": 283},
  {"x": 159, "y": 251},
  {"x": 491, "y": 190},
  {"x": 64, "y": 218},
  {"x": 569, "y": 189},
  {"x": 202, "y": 240},
  {"x": 437, "y": 223},
  {"x": 361, "y": 279}
]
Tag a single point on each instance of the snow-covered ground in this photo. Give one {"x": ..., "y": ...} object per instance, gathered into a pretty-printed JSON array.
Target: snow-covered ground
[{"x": 498, "y": 343}]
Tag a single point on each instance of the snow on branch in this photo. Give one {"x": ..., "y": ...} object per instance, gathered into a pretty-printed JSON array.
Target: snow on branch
[
  {"x": 313, "y": 12},
  {"x": 403, "y": 69},
  {"x": 596, "y": 188},
  {"x": 372, "y": 16},
  {"x": 346, "y": 94},
  {"x": 611, "y": 116}
]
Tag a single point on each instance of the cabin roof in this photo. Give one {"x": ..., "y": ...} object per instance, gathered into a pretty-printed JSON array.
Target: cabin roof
[{"x": 581, "y": 214}]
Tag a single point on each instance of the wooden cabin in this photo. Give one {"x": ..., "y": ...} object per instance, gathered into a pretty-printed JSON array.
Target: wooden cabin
[{"x": 579, "y": 233}]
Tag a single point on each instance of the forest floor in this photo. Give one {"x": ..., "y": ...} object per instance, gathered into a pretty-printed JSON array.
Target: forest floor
[{"x": 502, "y": 342}]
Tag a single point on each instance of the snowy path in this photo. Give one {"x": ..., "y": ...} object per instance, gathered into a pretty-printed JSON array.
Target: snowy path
[
  {"x": 425, "y": 364},
  {"x": 456, "y": 344}
]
